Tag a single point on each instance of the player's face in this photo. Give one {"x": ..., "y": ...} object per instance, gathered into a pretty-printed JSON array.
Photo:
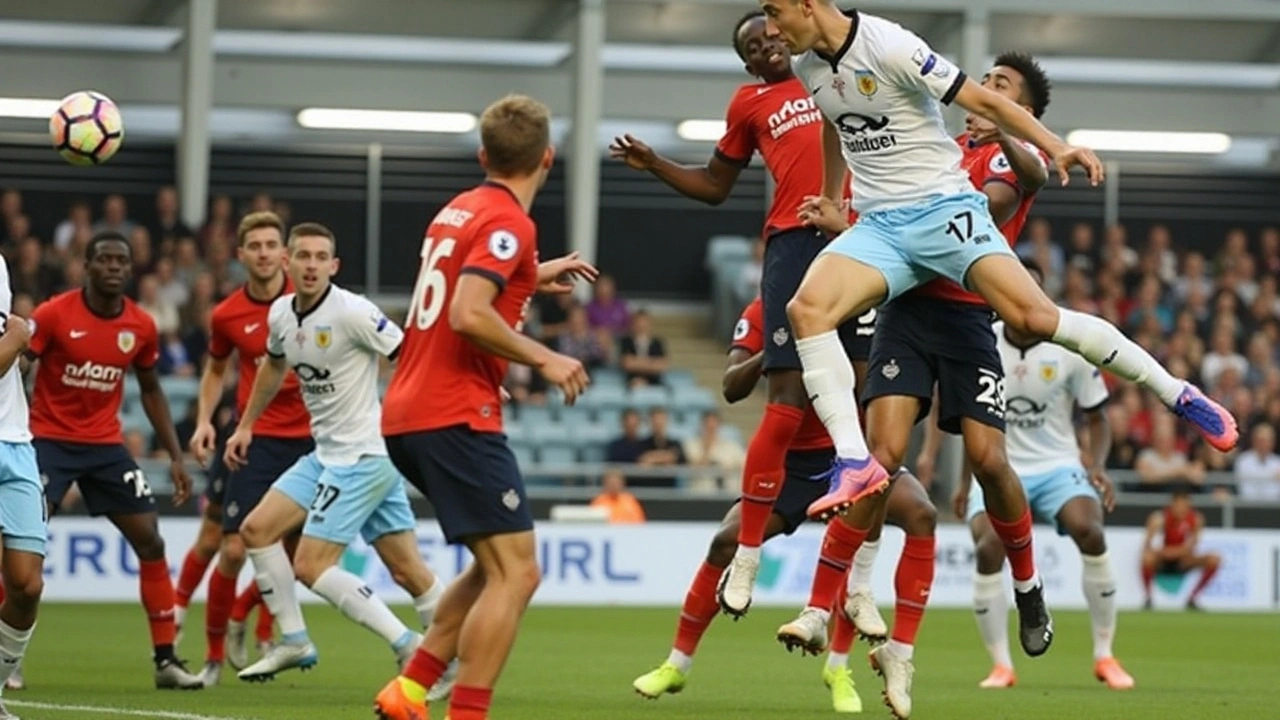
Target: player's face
[
  {"x": 312, "y": 264},
  {"x": 262, "y": 253},
  {"x": 766, "y": 55},
  {"x": 792, "y": 21},
  {"x": 1002, "y": 81},
  {"x": 110, "y": 267}
]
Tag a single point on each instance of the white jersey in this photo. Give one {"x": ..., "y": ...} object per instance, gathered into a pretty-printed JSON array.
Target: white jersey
[
  {"x": 884, "y": 91},
  {"x": 15, "y": 421},
  {"x": 1043, "y": 385},
  {"x": 334, "y": 349}
]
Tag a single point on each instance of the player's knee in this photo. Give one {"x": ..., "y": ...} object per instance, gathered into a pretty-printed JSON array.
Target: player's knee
[
  {"x": 1088, "y": 537},
  {"x": 233, "y": 552},
  {"x": 989, "y": 554},
  {"x": 524, "y": 579},
  {"x": 1036, "y": 316},
  {"x": 254, "y": 534},
  {"x": 308, "y": 570},
  {"x": 149, "y": 546},
  {"x": 921, "y": 521},
  {"x": 24, "y": 590},
  {"x": 989, "y": 462},
  {"x": 809, "y": 316},
  {"x": 889, "y": 452}
]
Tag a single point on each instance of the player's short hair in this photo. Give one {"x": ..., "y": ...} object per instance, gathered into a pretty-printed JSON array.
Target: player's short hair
[
  {"x": 257, "y": 221},
  {"x": 737, "y": 30},
  {"x": 313, "y": 229},
  {"x": 105, "y": 236},
  {"x": 1035, "y": 83},
  {"x": 515, "y": 133}
]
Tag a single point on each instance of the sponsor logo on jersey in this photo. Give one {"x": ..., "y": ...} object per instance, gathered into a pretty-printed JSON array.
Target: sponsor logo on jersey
[
  {"x": 868, "y": 86},
  {"x": 126, "y": 340},
  {"x": 863, "y": 133},
  {"x": 794, "y": 113},
  {"x": 92, "y": 376},
  {"x": 314, "y": 380},
  {"x": 1025, "y": 413}
]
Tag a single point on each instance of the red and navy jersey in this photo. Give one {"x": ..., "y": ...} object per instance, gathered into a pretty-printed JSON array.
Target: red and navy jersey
[
  {"x": 987, "y": 164},
  {"x": 239, "y": 324},
  {"x": 1177, "y": 530},
  {"x": 83, "y": 360},
  {"x": 782, "y": 123},
  {"x": 441, "y": 378},
  {"x": 749, "y": 335}
]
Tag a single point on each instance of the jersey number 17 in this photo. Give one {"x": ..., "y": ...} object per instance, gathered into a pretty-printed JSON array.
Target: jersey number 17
[{"x": 431, "y": 287}]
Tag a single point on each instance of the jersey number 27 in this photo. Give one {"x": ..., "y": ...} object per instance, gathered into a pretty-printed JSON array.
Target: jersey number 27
[{"x": 430, "y": 288}]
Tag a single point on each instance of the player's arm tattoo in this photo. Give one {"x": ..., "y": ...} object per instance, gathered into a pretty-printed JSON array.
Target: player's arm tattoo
[
  {"x": 743, "y": 373},
  {"x": 156, "y": 406}
]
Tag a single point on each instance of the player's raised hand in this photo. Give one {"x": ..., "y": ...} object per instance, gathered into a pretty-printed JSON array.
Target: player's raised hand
[
  {"x": 566, "y": 373},
  {"x": 181, "y": 482},
  {"x": 633, "y": 152},
  {"x": 1072, "y": 156},
  {"x": 1107, "y": 489},
  {"x": 18, "y": 327},
  {"x": 556, "y": 277},
  {"x": 237, "y": 453},
  {"x": 203, "y": 441},
  {"x": 824, "y": 214}
]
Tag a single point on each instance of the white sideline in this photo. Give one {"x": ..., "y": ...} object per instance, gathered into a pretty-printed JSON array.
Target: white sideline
[{"x": 104, "y": 710}]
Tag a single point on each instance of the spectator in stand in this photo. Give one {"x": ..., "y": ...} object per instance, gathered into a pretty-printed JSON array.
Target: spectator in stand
[
  {"x": 1082, "y": 253},
  {"x": 19, "y": 229},
  {"x": 1077, "y": 292},
  {"x": 186, "y": 260},
  {"x": 1266, "y": 306},
  {"x": 642, "y": 356},
  {"x": 201, "y": 301},
  {"x": 606, "y": 310},
  {"x": 261, "y": 202},
  {"x": 220, "y": 227},
  {"x": 1151, "y": 305},
  {"x": 1124, "y": 451},
  {"x": 172, "y": 291},
  {"x": 748, "y": 284},
  {"x": 23, "y": 304},
  {"x": 28, "y": 272},
  {"x": 1038, "y": 246},
  {"x": 1262, "y": 358},
  {"x": 165, "y": 315},
  {"x": 553, "y": 314},
  {"x": 622, "y": 506},
  {"x": 1185, "y": 332},
  {"x": 144, "y": 257},
  {"x": 1116, "y": 253},
  {"x": 659, "y": 450},
  {"x": 115, "y": 216},
  {"x": 1164, "y": 463},
  {"x": 284, "y": 210},
  {"x": 579, "y": 341},
  {"x": 167, "y": 223},
  {"x": 1234, "y": 247},
  {"x": 228, "y": 273},
  {"x": 1160, "y": 250},
  {"x": 1269, "y": 251},
  {"x": 79, "y": 215},
  {"x": 10, "y": 204},
  {"x": 175, "y": 357},
  {"x": 1194, "y": 275},
  {"x": 1112, "y": 305},
  {"x": 1257, "y": 470},
  {"x": 1246, "y": 276},
  {"x": 1222, "y": 355},
  {"x": 710, "y": 448},
  {"x": 628, "y": 447}
]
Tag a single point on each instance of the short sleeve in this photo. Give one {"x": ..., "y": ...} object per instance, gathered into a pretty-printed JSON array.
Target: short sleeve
[
  {"x": 909, "y": 62},
  {"x": 1087, "y": 386},
  {"x": 371, "y": 329},
  {"x": 738, "y": 143},
  {"x": 220, "y": 345},
  {"x": 275, "y": 334},
  {"x": 501, "y": 246},
  {"x": 44, "y": 325},
  {"x": 148, "y": 345},
  {"x": 748, "y": 334},
  {"x": 6, "y": 292}
]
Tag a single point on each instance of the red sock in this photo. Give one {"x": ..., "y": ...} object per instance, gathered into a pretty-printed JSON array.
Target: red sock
[
  {"x": 245, "y": 601},
  {"x": 1, "y": 591},
  {"x": 1148, "y": 575},
  {"x": 911, "y": 584},
  {"x": 838, "y": 546},
  {"x": 222, "y": 595},
  {"x": 1016, "y": 537},
  {"x": 699, "y": 609},
  {"x": 157, "y": 599},
  {"x": 470, "y": 703},
  {"x": 266, "y": 627},
  {"x": 193, "y": 570},
  {"x": 765, "y": 469},
  {"x": 425, "y": 669},
  {"x": 1206, "y": 577},
  {"x": 843, "y": 633}
]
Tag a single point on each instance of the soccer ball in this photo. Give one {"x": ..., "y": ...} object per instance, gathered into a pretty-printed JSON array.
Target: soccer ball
[{"x": 86, "y": 129}]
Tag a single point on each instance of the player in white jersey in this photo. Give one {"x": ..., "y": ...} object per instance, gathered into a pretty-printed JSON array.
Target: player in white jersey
[
  {"x": 882, "y": 88},
  {"x": 333, "y": 340},
  {"x": 1044, "y": 384},
  {"x": 22, "y": 507}
]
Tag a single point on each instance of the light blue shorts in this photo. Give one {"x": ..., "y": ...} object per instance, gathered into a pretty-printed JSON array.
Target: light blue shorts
[
  {"x": 23, "y": 518},
  {"x": 366, "y": 498},
  {"x": 1047, "y": 493},
  {"x": 910, "y": 246}
]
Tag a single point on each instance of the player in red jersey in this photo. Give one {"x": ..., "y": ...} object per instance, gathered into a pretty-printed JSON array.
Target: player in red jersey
[
  {"x": 778, "y": 119},
  {"x": 283, "y": 433},
  {"x": 85, "y": 341},
  {"x": 810, "y": 454},
  {"x": 1180, "y": 524},
  {"x": 442, "y": 415}
]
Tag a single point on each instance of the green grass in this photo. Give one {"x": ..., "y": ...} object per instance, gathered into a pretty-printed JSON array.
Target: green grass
[{"x": 573, "y": 664}]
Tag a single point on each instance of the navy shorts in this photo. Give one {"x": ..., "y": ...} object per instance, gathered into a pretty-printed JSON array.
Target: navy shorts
[
  {"x": 921, "y": 341},
  {"x": 786, "y": 259},
  {"x": 215, "y": 486},
  {"x": 109, "y": 479},
  {"x": 800, "y": 489},
  {"x": 470, "y": 478},
  {"x": 268, "y": 459}
]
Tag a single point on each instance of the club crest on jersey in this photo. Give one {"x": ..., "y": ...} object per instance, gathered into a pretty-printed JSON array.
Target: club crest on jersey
[
  {"x": 868, "y": 86},
  {"x": 1049, "y": 370},
  {"x": 126, "y": 340},
  {"x": 324, "y": 336}
]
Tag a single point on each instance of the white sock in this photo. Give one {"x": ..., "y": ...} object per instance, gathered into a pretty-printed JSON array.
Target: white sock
[
  {"x": 358, "y": 602},
  {"x": 901, "y": 649},
  {"x": 863, "y": 562},
  {"x": 836, "y": 661},
  {"x": 179, "y": 614},
  {"x": 1099, "y": 342},
  {"x": 426, "y": 603},
  {"x": 748, "y": 552},
  {"x": 277, "y": 583},
  {"x": 828, "y": 378},
  {"x": 1027, "y": 585},
  {"x": 1100, "y": 593},
  {"x": 13, "y": 645},
  {"x": 680, "y": 660},
  {"x": 991, "y": 608}
]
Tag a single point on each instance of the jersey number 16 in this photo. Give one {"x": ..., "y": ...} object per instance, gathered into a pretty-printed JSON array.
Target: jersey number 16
[{"x": 430, "y": 288}]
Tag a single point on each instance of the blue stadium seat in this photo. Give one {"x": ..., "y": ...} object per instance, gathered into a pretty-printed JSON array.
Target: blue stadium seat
[
  {"x": 693, "y": 401},
  {"x": 531, "y": 415},
  {"x": 557, "y": 454},
  {"x": 524, "y": 454},
  {"x": 547, "y": 433},
  {"x": 608, "y": 417},
  {"x": 592, "y": 453},
  {"x": 648, "y": 396},
  {"x": 677, "y": 380},
  {"x": 572, "y": 415},
  {"x": 604, "y": 396},
  {"x": 516, "y": 431},
  {"x": 725, "y": 248},
  {"x": 180, "y": 391},
  {"x": 607, "y": 376}
]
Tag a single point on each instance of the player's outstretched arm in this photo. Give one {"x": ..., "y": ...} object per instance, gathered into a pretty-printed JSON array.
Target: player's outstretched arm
[
  {"x": 710, "y": 183},
  {"x": 741, "y": 376},
  {"x": 1015, "y": 120},
  {"x": 156, "y": 406},
  {"x": 211, "y": 381},
  {"x": 17, "y": 336}
]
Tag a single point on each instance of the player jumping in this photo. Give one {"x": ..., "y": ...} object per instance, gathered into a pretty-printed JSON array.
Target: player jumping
[
  {"x": 282, "y": 434},
  {"x": 332, "y": 339},
  {"x": 443, "y": 420},
  {"x": 778, "y": 119},
  {"x": 86, "y": 340},
  {"x": 1044, "y": 385},
  {"x": 22, "y": 509},
  {"x": 1180, "y": 524}
]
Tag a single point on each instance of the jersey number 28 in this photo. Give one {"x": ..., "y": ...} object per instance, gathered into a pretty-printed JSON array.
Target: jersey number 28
[{"x": 430, "y": 288}]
